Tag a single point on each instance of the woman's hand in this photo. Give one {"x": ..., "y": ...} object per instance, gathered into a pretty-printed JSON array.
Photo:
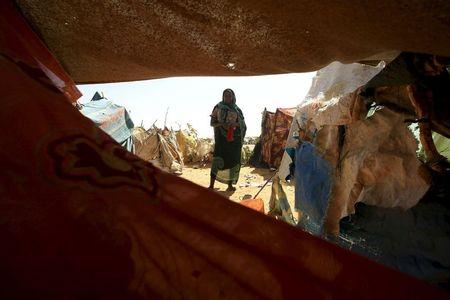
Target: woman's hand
[{"x": 215, "y": 123}]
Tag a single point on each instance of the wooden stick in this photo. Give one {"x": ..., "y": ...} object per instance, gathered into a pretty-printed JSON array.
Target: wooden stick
[{"x": 265, "y": 184}]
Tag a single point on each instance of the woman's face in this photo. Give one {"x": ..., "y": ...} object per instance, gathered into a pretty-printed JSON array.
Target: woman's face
[{"x": 227, "y": 97}]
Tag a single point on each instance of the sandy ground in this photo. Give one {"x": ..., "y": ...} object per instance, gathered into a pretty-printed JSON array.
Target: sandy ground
[{"x": 249, "y": 180}]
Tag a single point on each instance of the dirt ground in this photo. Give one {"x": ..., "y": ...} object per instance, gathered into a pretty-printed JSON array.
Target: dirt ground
[{"x": 250, "y": 181}]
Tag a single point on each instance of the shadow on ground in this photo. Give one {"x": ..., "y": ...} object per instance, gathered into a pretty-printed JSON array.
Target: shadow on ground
[
  {"x": 227, "y": 194},
  {"x": 265, "y": 173}
]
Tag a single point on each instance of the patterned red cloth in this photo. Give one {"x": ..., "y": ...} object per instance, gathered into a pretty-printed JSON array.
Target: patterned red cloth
[{"x": 275, "y": 130}]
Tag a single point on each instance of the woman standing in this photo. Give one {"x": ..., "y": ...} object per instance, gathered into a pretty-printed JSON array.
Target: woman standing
[{"x": 229, "y": 132}]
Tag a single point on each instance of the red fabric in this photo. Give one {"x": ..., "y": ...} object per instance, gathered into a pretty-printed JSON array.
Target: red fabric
[
  {"x": 275, "y": 130},
  {"x": 230, "y": 133},
  {"x": 81, "y": 218},
  {"x": 268, "y": 123},
  {"x": 20, "y": 44},
  {"x": 255, "y": 204}
]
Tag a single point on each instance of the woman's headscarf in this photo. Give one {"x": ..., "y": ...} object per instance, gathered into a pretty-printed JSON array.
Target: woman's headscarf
[{"x": 233, "y": 96}]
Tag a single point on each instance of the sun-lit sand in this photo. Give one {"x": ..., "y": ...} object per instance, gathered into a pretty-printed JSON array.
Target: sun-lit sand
[{"x": 250, "y": 180}]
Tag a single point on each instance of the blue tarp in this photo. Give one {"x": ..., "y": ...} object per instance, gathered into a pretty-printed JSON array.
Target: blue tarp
[
  {"x": 312, "y": 185},
  {"x": 112, "y": 118}
]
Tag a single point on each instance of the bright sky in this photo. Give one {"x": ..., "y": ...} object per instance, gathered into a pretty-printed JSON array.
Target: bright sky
[{"x": 191, "y": 99}]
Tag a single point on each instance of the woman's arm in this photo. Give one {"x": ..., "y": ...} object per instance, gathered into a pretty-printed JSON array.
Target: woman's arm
[
  {"x": 215, "y": 118},
  {"x": 215, "y": 123}
]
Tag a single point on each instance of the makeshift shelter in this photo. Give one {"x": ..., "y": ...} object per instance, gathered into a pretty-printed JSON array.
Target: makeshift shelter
[
  {"x": 193, "y": 148},
  {"x": 274, "y": 132},
  {"x": 351, "y": 158},
  {"x": 83, "y": 218},
  {"x": 346, "y": 154},
  {"x": 158, "y": 147},
  {"x": 111, "y": 118}
]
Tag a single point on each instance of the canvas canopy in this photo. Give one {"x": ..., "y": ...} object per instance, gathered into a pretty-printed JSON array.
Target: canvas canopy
[
  {"x": 111, "y": 118},
  {"x": 152, "y": 39}
]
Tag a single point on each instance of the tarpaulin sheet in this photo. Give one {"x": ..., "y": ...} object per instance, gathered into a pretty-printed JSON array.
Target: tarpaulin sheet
[
  {"x": 110, "y": 117},
  {"x": 312, "y": 184},
  {"x": 328, "y": 101}
]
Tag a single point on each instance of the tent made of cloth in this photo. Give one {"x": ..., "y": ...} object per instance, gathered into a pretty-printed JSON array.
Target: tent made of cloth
[
  {"x": 274, "y": 132},
  {"x": 111, "y": 118}
]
